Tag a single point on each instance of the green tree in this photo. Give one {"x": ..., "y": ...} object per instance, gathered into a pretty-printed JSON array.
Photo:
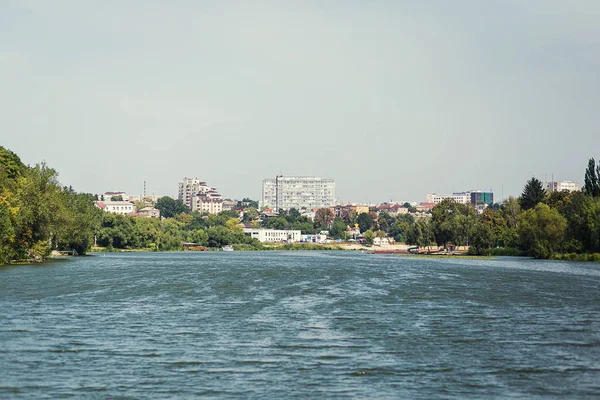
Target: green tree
[
  {"x": 369, "y": 236},
  {"x": 250, "y": 214},
  {"x": 170, "y": 207},
  {"x": 199, "y": 237},
  {"x": 365, "y": 222},
  {"x": 541, "y": 231},
  {"x": 323, "y": 218},
  {"x": 385, "y": 221},
  {"x": 421, "y": 234},
  {"x": 338, "y": 228},
  {"x": 592, "y": 179},
  {"x": 116, "y": 198},
  {"x": 533, "y": 193},
  {"x": 510, "y": 211},
  {"x": 452, "y": 222}
]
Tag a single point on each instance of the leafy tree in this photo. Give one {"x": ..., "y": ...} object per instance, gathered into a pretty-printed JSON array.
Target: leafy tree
[
  {"x": 198, "y": 236},
  {"x": 275, "y": 223},
  {"x": 170, "y": 207},
  {"x": 338, "y": 228},
  {"x": 592, "y": 179},
  {"x": 510, "y": 211},
  {"x": 452, "y": 222},
  {"x": 483, "y": 238},
  {"x": 304, "y": 225},
  {"x": 233, "y": 224},
  {"x": 541, "y": 231},
  {"x": 7, "y": 235},
  {"x": 385, "y": 221},
  {"x": 247, "y": 203},
  {"x": 323, "y": 218},
  {"x": 583, "y": 224},
  {"x": 250, "y": 214},
  {"x": 365, "y": 222},
  {"x": 421, "y": 234},
  {"x": 369, "y": 236},
  {"x": 116, "y": 198},
  {"x": 533, "y": 193}
]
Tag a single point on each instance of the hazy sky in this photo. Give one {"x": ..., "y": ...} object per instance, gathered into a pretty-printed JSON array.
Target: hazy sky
[{"x": 392, "y": 99}]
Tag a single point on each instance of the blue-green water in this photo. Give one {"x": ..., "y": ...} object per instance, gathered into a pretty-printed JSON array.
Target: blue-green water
[{"x": 299, "y": 324}]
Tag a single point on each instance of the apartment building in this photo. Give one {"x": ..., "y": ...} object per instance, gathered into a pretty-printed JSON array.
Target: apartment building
[
  {"x": 198, "y": 196},
  {"x": 308, "y": 192}
]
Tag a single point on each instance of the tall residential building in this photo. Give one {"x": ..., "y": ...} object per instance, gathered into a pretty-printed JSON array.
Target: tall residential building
[
  {"x": 286, "y": 192},
  {"x": 560, "y": 186},
  {"x": 198, "y": 196}
]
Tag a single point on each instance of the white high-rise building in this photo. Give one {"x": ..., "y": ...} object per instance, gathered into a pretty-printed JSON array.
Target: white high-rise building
[
  {"x": 198, "y": 196},
  {"x": 286, "y": 192}
]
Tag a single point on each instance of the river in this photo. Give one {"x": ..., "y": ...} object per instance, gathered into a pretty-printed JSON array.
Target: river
[{"x": 299, "y": 324}]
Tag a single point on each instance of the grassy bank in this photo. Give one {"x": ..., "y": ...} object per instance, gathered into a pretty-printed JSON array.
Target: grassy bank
[{"x": 593, "y": 257}]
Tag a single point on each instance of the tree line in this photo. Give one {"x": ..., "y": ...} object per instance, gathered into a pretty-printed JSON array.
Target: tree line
[
  {"x": 38, "y": 215},
  {"x": 539, "y": 224}
]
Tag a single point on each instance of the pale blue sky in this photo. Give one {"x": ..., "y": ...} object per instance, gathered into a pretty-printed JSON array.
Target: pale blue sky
[{"x": 392, "y": 99}]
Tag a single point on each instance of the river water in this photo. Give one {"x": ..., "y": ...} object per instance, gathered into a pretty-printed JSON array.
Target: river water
[{"x": 299, "y": 324}]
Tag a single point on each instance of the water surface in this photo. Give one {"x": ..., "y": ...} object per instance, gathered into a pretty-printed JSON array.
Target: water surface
[{"x": 299, "y": 324}]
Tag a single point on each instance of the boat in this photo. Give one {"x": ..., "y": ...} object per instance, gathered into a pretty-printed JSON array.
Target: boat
[{"x": 227, "y": 248}]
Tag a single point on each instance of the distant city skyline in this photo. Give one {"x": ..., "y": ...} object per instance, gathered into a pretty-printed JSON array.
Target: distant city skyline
[{"x": 393, "y": 99}]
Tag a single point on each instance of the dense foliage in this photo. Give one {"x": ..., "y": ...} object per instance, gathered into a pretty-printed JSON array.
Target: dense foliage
[
  {"x": 538, "y": 224},
  {"x": 37, "y": 215}
]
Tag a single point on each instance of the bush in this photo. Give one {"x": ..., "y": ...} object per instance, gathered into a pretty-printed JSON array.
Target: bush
[{"x": 504, "y": 251}]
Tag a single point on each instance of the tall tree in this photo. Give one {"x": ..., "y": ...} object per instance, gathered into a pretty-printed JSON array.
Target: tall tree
[
  {"x": 324, "y": 218},
  {"x": 170, "y": 207},
  {"x": 533, "y": 193},
  {"x": 541, "y": 231},
  {"x": 365, "y": 222},
  {"x": 592, "y": 179}
]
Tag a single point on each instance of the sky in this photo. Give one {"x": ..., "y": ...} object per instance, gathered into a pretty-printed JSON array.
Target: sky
[{"x": 392, "y": 99}]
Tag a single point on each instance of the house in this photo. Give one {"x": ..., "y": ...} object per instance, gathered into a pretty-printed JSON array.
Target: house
[
  {"x": 425, "y": 207},
  {"x": 149, "y": 212}
]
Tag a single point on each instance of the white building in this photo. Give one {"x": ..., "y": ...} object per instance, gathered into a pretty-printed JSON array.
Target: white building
[
  {"x": 461, "y": 197},
  {"x": 569, "y": 186},
  {"x": 274, "y": 235},
  {"x": 286, "y": 192},
  {"x": 198, "y": 196},
  {"x": 314, "y": 238},
  {"x": 116, "y": 207},
  {"x": 210, "y": 202}
]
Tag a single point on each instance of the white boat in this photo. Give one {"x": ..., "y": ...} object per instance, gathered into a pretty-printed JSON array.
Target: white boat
[{"x": 227, "y": 248}]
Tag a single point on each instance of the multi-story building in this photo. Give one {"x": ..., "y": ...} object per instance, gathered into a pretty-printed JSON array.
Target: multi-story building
[
  {"x": 460, "y": 197},
  {"x": 116, "y": 207},
  {"x": 308, "y": 192},
  {"x": 274, "y": 235},
  {"x": 198, "y": 196},
  {"x": 479, "y": 198},
  {"x": 475, "y": 197},
  {"x": 210, "y": 202},
  {"x": 569, "y": 186}
]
